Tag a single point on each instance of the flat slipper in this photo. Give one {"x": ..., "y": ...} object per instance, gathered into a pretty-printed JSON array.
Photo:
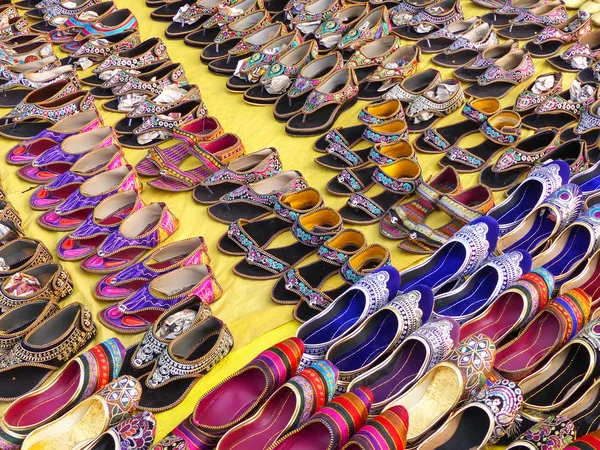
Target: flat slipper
[
  {"x": 192, "y": 18},
  {"x": 440, "y": 40},
  {"x": 434, "y": 17},
  {"x": 471, "y": 71},
  {"x": 330, "y": 31},
  {"x": 509, "y": 10},
  {"x": 366, "y": 59},
  {"x": 467, "y": 46},
  {"x": 544, "y": 86},
  {"x": 501, "y": 130},
  {"x": 583, "y": 52},
  {"x": 107, "y": 88},
  {"x": 398, "y": 180},
  {"x": 410, "y": 88},
  {"x": 438, "y": 101},
  {"x": 530, "y": 23},
  {"x": 166, "y": 12},
  {"x": 373, "y": 26},
  {"x": 550, "y": 40}
]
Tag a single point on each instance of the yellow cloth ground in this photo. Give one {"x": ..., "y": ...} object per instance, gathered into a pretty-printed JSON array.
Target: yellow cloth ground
[{"x": 255, "y": 321}]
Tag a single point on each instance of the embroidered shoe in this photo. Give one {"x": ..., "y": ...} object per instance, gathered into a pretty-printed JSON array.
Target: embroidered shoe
[{"x": 135, "y": 433}]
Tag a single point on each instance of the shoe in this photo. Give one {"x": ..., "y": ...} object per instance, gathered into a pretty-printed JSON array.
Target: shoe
[
  {"x": 209, "y": 422},
  {"x": 119, "y": 21},
  {"x": 63, "y": 33},
  {"x": 307, "y": 392},
  {"x": 435, "y": 16},
  {"x": 550, "y": 40},
  {"x": 528, "y": 24},
  {"x": 44, "y": 350},
  {"x": 348, "y": 311},
  {"x": 79, "y": 379},
  {"x": 547, "y": 332},
  {"x": 467, "y": 46},
  {"x": 389, "y": 427},
  {"x": 553, "y": 433},
  {"x": 134, "y": 433},
  {"x": 17, "y": 322},
  {"x": 22, "y": 254},
  {"x": 78, "y": 427},
  {"x": 588, "y": 180},
  {"x": 441, "y": 99},
  {"x": 460, "y": 376}
]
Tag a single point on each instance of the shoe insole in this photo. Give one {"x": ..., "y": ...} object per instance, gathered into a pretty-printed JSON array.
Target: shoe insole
[
  {"x": 314, "y": 436},
  {"x": 353, "y": 135},
  {"x": 438, "y": 399},
  {"x": 385, "y": 200},
  {"x": 262, "y": 431},
  {"x": 169, "y": 10},
  {"x": 259, "y": 95},
  {"x": 467, "y": 74},
  {"x": 230, "y": 212},
  {"x": 20, "y": 380},
  {"x": 370, "y": 90},
  {"x": 131, "y": 141},
  {"x": 496, "y": 89},
  {"x": 498, "y": 19},
  {"x": 202, "y": 37},
  {"x": 435, "y": 45},
  {"x": 287, "y": 106},
  {"x": 520, "y": 32},
  {"x": 451, "y": 133},
  {"x": 237, "y": 84},
  {"x": 457, "y": 59},
  {"x": 23, "y": 130},
  {"x": 226, "y": 65},
  {"x": 363, "y": 72},
  {"x": 291, "y": 255},
  {"x": 465, "y": 303},
  {"x": 564, "y": 381},
  {"x": 93, "y": 80},
  {"x": 409, "y": 32},
  {"x": 43, "y": 27},
  {"x": 531, "y": 347},
  {"x": 179, "y": 30},
  {"x": 571, "y": 254},
  {"x": 471, "y": 432},
  {"x": 102, "y": 93},
  {"x": 502, "y": 316},
  {"x": 423, "y": 125},
  {"x": 345, "y": 315},
  {"x": 364, "y": 174},
  {"x": 12, "y": 97},
  {"x": 556, "y": 120},
  {"x": 592, "y": 286},
  {"x": 519, "y": 206},
  {"x": 543, "y": 50},
  {"x": 38, "y": 408},
  {"x": 438, "y": 270},
  {"x": 127, "y": 124},
  {"x": 262, "y": 232},
  {"x": 363, "y": 350},
  {"x": 541, "y": 229},
  {"x": 214, "y": 51}
]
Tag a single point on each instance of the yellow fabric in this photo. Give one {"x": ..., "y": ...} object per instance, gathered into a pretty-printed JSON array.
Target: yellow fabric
[{"x": 255, "y": 321}]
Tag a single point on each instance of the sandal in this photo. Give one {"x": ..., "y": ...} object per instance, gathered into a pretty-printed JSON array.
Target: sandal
[
  {"x": 310, "y": 76},
  {"x": 561, "y": 110},
  {"x": 398, "y": 180},
  {"x": 65, "y": 32},
  {"x": 549, "y": 41},
  {"x": 471, "y": 71},
  {"x": 518, "y": 160},
  {"x": 314, "y": 14},
  {"x": 360, "y": 179},
  {"x": 47, "y": 93},
  {"x": 46, "y": 282},
  {"x": 231, "y": 34},
  {"x": 381, "y": 112},
  {"x": 331, "y": 31},
  {"x": 59, "y": 159},
  {"x": 324, "y": 104},
  {"x": 434, "y": 17},
  {"x": 119, "y": 286},
  {"x": 169, "y": 10},
  {"x": 191, "y": 18},
  {"x": 311, "y": 230},
  {"x": 412, "y": 87},
  {"x": 244, "y": 234},
  {"x": 80, "y": 204},
  {"x": 16, "y": 88},
  {"x": 97, "y": 49},
  {"x": 248, "y": 73},
  {"x": 183, "y": 363},
  {"x": 529, "y": 23},
  {"x": 373, "y": 26},
  {"x": 29, "y": 149},
  {"x": 54, "y": 193},
  {"x": 256, "y": 200},
  {"x": 438, "y": 101},
  {"x": 143, "y": 230},
  {"x": 544, "y": 86},
  {"x": 506, "y": 73},
  {"x": 501, "y": 130},
  {"x": 140, "y": 310},
  {"x": 439, "y": 140},
  {"x": 270, "y": 38},
  {"x": 45, "y": 349},
  {"x": 105, "y": 219},
  {"x": 67, "y": 8},
  {"x": 545, "y": 221},
  {"x": 579, "y": 55},
  {"x": 440, "y": 40},
  {"x": 588, "y": 127},
  {"x": 509, "y": 10},
  {"x": 46, "y": 114},
  {"x": 367, "y": 58},
  {"x": 211, "y": 156},
  {"x": 118, "y": 22},
  {"x": 468, "y": 46},
  {"x": 428, "y": 193},
  {"x": 115, "y": 79},
  {"x": 401, "y": 64},
  {"x": 402, "y": 12},
  {"x": 462, "y": 208},
  {"x": 27, "y": 53},
  {"x": 247, "y": 169},
  {"x": 15, "y": 26}
]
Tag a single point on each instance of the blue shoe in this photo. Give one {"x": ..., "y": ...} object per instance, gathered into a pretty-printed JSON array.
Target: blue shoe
[
  {"x": 346, "y": 313},
  {"x": 545, "y": 222},
  {"x": 482, "y": 288},
  {"x": 460, "y": 256},
  {"x": 574, "y": 245},
  {"x": 588, "y": 180},
  {"x": 538, "y": 185},
  {"x": 376, "y": 338}
]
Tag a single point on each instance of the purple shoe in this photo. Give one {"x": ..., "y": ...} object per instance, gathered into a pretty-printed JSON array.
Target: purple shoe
[{"x": 135, "y": 433}]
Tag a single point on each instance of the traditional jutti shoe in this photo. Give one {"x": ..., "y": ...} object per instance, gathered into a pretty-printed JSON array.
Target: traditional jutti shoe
[
  {"x": 80, "y": 378},
  {"x": 547, "y": 332},
  {"x": 90, "y": 418},
  {"x": 553, "y": 384},
  {"x": 44, "y": 350},
  {"x": 380, "y": 334},
  {"x": 590, "y": 441},
  {"x": 347, "y": 312},
  {"x": 331, "y": 427},
  {"x": 22, "y": 254},
  {"x": 586, "y": 280},
  {"x": 447, "y": 386},
  {"x": 209, "y": 421},
  {"x": 134, "y": 433},
  {"x": 289, "y": 406},
  {"x": 415, "y": 356},
  {"x": 17, "y": 322},
  {"x": 514, "y": 308},
  {"x": 553, "y": 433},
  {"x": 494, "y": 409},
  {"x": 389, "y": 429}
]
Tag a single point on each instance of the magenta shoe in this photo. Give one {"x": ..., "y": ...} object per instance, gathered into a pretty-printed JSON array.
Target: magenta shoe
[
  {"x": 79, "y": 205},
  {"x": 57, "y": 160},
  {"x": 106, "y": 218},
  {"x": 54, "y": 193},
  {"x": 143, "y": 230},
  {"x": 178, "y": 254},
  {"x": 140, "y": 310},
  {"x": 29, "y": 149}
]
